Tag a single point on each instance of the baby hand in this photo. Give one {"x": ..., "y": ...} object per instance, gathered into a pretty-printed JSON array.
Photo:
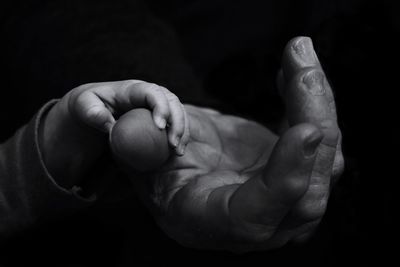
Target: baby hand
[
  {"x": 98, "y": 104},
  {"x": 72, "y": 135}
]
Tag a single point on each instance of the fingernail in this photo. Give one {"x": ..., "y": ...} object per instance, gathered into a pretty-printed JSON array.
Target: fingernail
[
  {"x": 175, "y": 141},
  {"x": 304, "y": 51},
  {"x": 311, "y": 144},
  {"x": 314, "y": 80},
  {"x": 181, "y": 150},
  {"x": 161, "y": 123}
]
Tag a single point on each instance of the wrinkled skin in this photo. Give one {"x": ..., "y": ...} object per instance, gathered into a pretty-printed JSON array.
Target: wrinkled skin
[{"x": 239, "y": 186}]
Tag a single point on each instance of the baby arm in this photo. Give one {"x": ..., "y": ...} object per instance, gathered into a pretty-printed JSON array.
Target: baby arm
[{"x": 43, "y": 164}]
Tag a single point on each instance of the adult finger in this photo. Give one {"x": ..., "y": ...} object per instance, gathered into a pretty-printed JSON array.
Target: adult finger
[
  {"x": 297, "y": 55},
  {"x": 264, "y": 201},
  {"x": 309, "y": 99}
]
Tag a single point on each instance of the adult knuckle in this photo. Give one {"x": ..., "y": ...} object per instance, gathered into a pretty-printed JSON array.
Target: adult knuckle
[
  {"x": 294, "y": 188},
  {"x": 338, "y": 166},
  {"x": 314, "y": 80}
]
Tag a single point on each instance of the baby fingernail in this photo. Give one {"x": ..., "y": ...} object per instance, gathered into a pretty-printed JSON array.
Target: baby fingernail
[
  {"x": 304, "y": 51},
  {"x": 311, "y": 144},
  {"x": 181, "y": 149},
  {"x": 173, "y": 140},
  {"x": 161, "y": 123}
]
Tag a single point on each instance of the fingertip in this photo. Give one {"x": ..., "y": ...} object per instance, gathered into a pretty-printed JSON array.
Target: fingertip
[
  {"x": 301, "y": 49},
  {"x": 183, "y": 144},
  {"x": 161, "y": 114},
  {"x": 160, "y": 122},
  {"x": 180, "y": 150},
  {"x": 181, "y": 147},
  {"x": 173, "y": 140},
  {"x": 298, "y": 53}
]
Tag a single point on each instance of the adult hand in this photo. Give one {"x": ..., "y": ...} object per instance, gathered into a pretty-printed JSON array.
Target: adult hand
[{"x": 239, "y": 186}]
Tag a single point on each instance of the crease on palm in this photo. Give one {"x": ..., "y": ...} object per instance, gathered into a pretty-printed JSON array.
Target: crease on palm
[{"x": 219, "y": 162}]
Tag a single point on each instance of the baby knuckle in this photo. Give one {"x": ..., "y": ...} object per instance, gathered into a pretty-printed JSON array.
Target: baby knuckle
[
  {"x": 173, "y": 98},
  {"x": 163, "y": 112},
  {"x": 155, "y": 88}
]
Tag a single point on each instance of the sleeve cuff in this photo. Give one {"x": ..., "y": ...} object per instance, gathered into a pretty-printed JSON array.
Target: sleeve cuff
[{"x": 58, "y": 197}]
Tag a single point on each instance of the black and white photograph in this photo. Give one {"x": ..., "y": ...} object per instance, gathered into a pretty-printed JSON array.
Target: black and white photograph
[{"x": 199, "y": 133}]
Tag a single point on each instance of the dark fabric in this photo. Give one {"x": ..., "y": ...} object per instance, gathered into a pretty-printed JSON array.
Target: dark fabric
[
  {"x": 28, "y": 193},
  {"x": 54, "y": 46}
]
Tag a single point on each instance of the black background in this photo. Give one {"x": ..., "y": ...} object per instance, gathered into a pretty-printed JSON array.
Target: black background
[{"x": 214, "y": 53}]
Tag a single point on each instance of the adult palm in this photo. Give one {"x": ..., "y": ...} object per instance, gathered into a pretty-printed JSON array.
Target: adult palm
[{"x": 241, "y": 187}]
